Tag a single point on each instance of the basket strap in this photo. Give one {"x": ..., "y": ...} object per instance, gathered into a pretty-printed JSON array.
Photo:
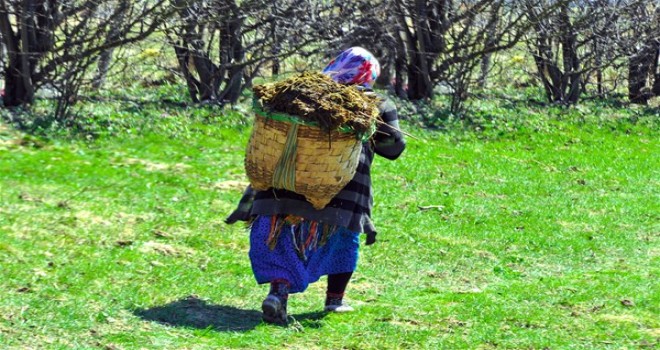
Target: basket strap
[{"x": 285, "y": 170}]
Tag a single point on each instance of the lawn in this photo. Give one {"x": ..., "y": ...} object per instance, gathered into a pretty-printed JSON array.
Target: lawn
[{"x": 535, "y": 238}]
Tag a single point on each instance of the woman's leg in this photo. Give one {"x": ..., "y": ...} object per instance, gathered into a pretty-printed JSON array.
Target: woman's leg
[
  {"x": 337, "y": 259},
  {"x": 334, "y": 300},
  {"x": 278, "y": 263},
  {"x": 280, "y": 267},
  {"x": 337, "y": 283},
  {"x": 274, "y": 306}
]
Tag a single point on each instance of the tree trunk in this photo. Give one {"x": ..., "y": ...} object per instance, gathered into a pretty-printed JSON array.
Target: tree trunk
[
  {"x": 419, "y": 84},
  {"x": 19, "y": 87},
  {"x": 102, "y": 68},
  {"x": 105, "y": 58},
  {"x": 18, "y": 90},
  {"x": 656, "y": 70},
  {"x": 275, "y": 67},
  {"x": 275, "y": 50},
  {"x": 640, "y": 67},
  {"x": 490, "y": 41},
  {"x": 485, "y": 68},
  {"x": 599, "y": 69},
  {"x": 548, "y": 72},
  {"x": 183, "y": 58},
  {"x": 571, "y": 86},
  {"x": 232, "y": 55},
  {"x": 419, "y": 74},
  {"x": 207, "y": 75},
  {"x": 399, "y": 65},
  {"x": 384, "y": 80}
]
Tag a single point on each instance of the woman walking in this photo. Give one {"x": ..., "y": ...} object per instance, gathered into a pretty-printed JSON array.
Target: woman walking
[{"x": 291, "y": 243}]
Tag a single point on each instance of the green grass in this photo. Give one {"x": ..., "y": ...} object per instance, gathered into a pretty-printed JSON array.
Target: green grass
[{"x": 532, "y": 233}]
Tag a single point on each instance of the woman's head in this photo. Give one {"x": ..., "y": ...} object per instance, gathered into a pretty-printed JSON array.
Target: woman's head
[{"x": 355, "y": 66}]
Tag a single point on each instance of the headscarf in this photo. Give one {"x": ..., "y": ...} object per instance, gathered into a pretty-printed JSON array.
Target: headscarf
[{"x": 354, "y": 66}]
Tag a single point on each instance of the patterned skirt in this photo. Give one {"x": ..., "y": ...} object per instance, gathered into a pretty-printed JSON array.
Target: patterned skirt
[{"x": 300, "y": 251}]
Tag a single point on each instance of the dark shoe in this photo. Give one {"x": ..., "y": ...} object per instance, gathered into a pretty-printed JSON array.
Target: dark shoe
[{"x": 274, "y": 310}]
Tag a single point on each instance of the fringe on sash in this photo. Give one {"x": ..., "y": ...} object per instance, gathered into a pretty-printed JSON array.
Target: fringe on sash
[{"x": 306, "y": 235}]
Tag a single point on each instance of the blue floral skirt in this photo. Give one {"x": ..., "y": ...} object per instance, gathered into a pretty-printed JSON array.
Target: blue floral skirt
[{"x": 300, "y": 252}]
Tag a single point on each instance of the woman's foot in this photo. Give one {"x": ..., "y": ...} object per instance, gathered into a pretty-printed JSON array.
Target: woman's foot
[
  {"x": 334, "y": 295},
  {"x": 274, "y": 310},
  {"x": 274, "y": 306},
  {"x": 337, "y": 304}
]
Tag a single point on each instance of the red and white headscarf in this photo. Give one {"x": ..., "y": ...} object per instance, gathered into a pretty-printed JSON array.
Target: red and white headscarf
[{"x": 354, "y": 66}]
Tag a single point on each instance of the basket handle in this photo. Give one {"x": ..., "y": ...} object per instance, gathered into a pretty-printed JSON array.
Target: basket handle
[{"x": 285, "y": 170}]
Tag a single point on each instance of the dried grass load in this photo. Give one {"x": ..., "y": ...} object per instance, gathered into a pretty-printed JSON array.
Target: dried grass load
[{"x": 316, "y": 98}]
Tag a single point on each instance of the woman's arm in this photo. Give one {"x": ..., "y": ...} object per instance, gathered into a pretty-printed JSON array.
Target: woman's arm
[
  {"x": 242, "y": 211},
  {"x": 388, "y": 141}
]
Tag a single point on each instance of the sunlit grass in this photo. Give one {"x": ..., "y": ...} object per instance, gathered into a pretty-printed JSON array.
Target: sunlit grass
[{"x": 517, "y": 237}]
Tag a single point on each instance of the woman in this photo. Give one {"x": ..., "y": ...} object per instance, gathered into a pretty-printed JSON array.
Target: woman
[{"x": 291, "y": 243}]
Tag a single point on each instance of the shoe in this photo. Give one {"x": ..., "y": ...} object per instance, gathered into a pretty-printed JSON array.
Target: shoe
[
  {"x": 337, "y": 305},
  {"x": 274, "y": 311}
]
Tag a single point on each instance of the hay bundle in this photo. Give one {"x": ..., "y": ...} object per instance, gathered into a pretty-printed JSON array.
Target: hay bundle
[
  {"x": 316, "y": 98},
  {"x": 307, "y": 136}
]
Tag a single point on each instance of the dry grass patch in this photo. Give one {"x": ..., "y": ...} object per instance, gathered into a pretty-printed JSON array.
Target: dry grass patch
[{"x": 152, "y": 166}]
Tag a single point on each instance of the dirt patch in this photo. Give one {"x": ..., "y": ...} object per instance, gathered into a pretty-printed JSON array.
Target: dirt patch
[
  {"x": 89, "y": 218},
  {"x": 155, "y": 166},
  {"x": 165, "y": 249},
  {"x": 654, "y": 332},
  {"x": 230, "y": 185},
  {"x": 620, "y": 318}
]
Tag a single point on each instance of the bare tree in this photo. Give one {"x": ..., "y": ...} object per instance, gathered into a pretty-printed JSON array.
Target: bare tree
[
  {"x": 424, "y": 43},
  {"x": 578, "y": 39},
  {"x": 221, "y": 45},
  {"x": 640, "y": 42},
  {"x": 445, "y": 41},
  {"x": 52, "y": 42},
  {"x": 554, "y": 46}
]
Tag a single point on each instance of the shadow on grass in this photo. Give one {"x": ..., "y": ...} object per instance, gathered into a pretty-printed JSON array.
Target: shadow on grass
[
  {"x": 197, "y": 313},
  {"x": 307, "y": 319}
]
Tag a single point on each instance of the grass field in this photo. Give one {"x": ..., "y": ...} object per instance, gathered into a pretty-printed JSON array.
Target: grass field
[{"x": 533, "y": 238}]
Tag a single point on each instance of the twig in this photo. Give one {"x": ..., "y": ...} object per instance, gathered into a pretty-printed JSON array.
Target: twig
[
  {"x": 397, "y": 129},
  {"x": 429, "y": 207},
  {"x": 65, "y": 203}
]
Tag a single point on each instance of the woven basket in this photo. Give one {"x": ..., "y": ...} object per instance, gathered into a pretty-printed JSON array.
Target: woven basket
[{"x": 300, "y": 158}]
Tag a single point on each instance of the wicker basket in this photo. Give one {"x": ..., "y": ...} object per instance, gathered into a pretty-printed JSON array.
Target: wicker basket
[{"x": 300, "y": 158}]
